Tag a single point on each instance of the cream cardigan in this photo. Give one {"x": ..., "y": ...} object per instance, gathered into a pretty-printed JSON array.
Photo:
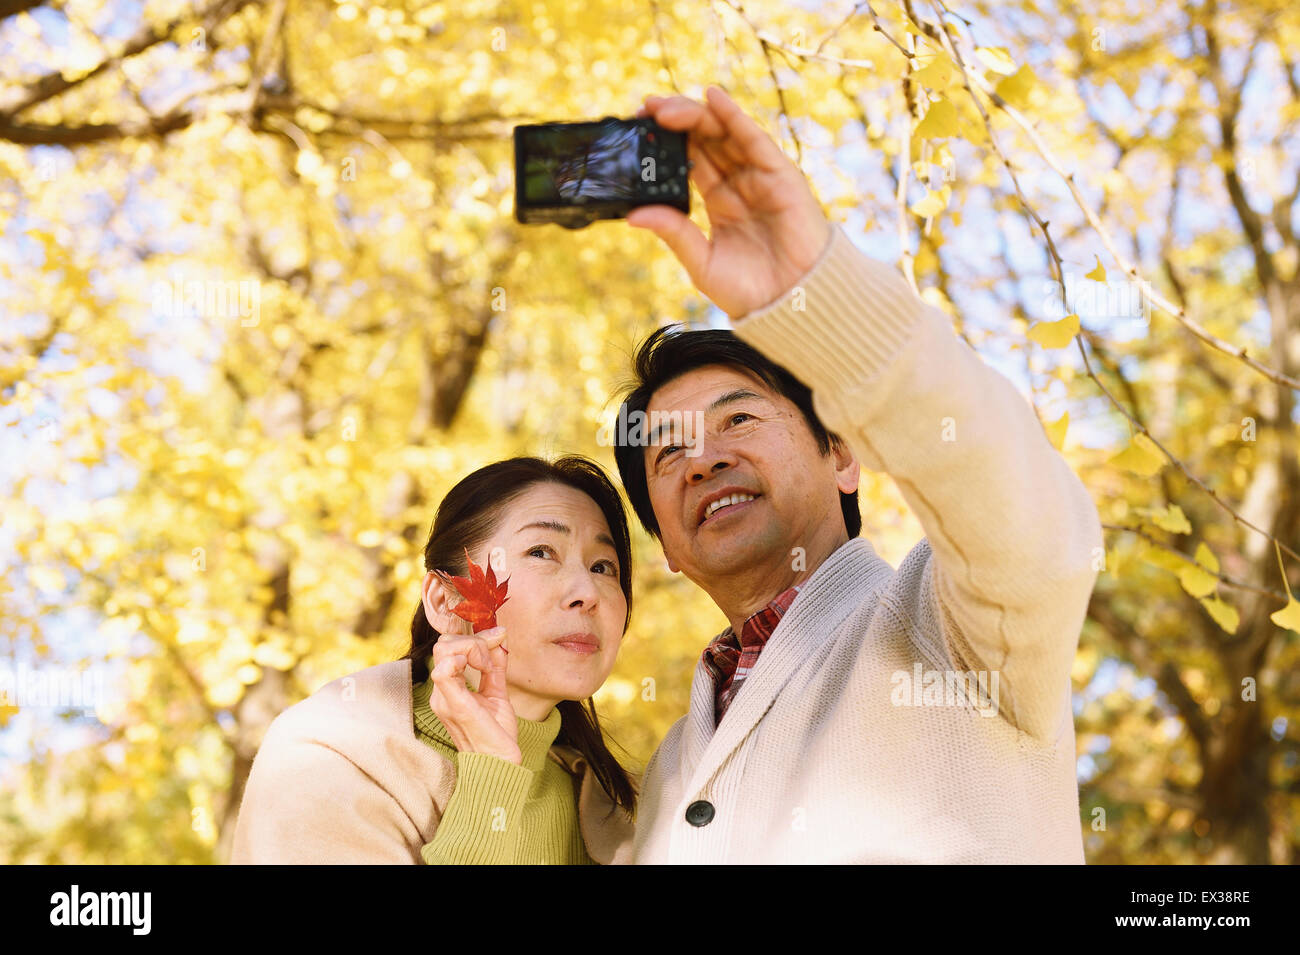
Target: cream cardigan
[
  {"x": 833, "y": 750},
  {"x": 341, "y": 777}
]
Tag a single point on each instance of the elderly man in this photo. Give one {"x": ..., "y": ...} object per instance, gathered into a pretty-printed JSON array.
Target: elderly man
[{"x": 851, "y": 712}]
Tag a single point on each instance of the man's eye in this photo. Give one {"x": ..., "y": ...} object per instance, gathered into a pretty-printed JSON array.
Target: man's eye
[
  {"x": 739, "y": 414},
  {"x": 668, "y": 449}
]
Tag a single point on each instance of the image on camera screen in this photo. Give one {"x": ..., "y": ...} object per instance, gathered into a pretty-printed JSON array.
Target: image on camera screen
[{"x": 596, "y": 161}]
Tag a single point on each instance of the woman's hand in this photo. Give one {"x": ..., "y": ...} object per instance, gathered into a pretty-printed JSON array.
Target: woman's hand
[
  {"x": 767, "y": 230},
  {"x": 483, "y": 721}
]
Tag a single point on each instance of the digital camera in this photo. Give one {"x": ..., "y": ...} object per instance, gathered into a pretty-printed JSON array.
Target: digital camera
[{"x": 575, "y": 173}]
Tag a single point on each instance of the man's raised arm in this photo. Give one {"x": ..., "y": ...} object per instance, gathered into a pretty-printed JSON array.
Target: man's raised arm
[{"x": 1014, "y": 535}]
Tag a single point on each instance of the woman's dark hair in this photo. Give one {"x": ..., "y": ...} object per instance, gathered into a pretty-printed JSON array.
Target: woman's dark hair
[
  {"x": 671, "y": 352},
  {"x": 467, "y": 517}
]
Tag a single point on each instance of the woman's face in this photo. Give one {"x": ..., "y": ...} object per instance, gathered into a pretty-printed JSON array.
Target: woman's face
[{"x": 565, "y": 609}]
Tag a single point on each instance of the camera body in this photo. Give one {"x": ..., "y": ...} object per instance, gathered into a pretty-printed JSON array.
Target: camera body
[{"x": 572, "y": 174}]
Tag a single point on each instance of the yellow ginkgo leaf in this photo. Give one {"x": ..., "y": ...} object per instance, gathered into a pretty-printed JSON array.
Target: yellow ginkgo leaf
[
  {"x": 1172, "y": 519},
  {"x": 940, "y": 121},
  {"x": 1196, "y": 581},
  {"x": 997, "y": 59},
  {"x": 1205, "y": 557},
  {"x": 1055, "y": 334},
  {"x": 936, "y": 72},
  {"x": 933, "y": 203},
  {"x": 1224, "y": 614},
  {"x": 1018, "y": 88},
  {"x": 1163, "y": 558},
  {"x": 1141, "y": 457},
  {"x": 1098, "y": 274},
  {"x": 1288, "y": 618},
  {"x": 1056, "y": 431}
]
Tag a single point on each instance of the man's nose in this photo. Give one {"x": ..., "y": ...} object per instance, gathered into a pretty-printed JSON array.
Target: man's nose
[{"x": 714, "y": 457}]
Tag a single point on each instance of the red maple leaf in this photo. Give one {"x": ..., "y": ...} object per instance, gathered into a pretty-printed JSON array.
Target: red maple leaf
[{"x": 483, "y": 596}]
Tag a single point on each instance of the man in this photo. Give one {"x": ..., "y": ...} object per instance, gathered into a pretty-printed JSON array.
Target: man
[{"x": 852, "y": 712}]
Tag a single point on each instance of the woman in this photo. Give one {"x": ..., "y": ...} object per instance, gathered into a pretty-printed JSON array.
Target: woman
[{"x": 403, "y": 762}]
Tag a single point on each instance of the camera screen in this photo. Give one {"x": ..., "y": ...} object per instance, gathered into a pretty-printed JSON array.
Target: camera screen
[{"x": 581, "y": 161}]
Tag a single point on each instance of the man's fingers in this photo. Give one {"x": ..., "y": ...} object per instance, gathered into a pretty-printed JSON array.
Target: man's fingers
[
  {"x": 704, "y": 171},
  {"x": 685, "y": 115},
  {"x": 726, "y": 128},
  {"x": 759, "y": 149}
]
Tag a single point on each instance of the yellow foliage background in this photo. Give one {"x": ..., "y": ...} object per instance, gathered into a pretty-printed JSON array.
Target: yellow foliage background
[{"x": 220, "y": 511}]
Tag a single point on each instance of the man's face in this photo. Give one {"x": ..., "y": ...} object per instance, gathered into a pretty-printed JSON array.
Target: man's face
[{"x": 754, "y": 443}]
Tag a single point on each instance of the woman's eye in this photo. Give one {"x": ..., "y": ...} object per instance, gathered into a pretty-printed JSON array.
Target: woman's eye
[
  {"x": 667, "y": 451},
  {"x": 540, "y": 549},
  {"x": 609, "y": 566}
]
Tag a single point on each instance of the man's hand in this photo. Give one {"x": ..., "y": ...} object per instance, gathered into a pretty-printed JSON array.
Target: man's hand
[{"x": 766, "y": 227}]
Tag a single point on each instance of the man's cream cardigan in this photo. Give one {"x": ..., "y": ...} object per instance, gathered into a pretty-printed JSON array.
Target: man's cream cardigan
[{"x": 833, "y": 750}]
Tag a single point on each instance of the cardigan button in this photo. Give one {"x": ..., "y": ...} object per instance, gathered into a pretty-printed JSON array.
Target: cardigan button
[{"x": 699, "y": 813}]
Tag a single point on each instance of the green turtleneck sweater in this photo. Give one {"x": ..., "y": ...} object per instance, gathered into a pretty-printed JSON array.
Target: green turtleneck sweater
[{"x": 500, "y": 812}]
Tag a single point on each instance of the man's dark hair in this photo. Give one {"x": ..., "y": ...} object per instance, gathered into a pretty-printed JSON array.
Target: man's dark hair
[{"x": 671, "y": 352}]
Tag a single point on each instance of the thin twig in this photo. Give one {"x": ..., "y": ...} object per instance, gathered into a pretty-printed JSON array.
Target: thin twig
[
  {"x": 945, "y": 37},
  {"x": 1173, "y": 550}
]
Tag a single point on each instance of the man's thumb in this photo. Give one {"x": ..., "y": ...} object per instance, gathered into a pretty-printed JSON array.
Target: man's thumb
[{"x": 678, "y": 232}]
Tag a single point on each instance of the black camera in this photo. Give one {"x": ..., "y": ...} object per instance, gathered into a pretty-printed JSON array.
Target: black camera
[{"x": 574, "y": 173}]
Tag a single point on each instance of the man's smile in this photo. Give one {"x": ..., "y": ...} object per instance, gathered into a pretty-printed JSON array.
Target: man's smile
[{"x": 724, "y": 501}]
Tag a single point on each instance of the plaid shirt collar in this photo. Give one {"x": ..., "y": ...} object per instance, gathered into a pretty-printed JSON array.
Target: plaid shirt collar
[{"x": 729, "y": 658}]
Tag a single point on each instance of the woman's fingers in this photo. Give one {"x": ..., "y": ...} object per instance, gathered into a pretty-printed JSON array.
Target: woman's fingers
[
  {"x": 475, "y": 648},
  {"x": 461, "y": 644},
  {"x": 484, "y": 651},
  {"x": 451, "y": 700},
  {"x": 475, "y": 720},
  {"x": 492, "y": 681},
  {"x": 492, "y": 636}
]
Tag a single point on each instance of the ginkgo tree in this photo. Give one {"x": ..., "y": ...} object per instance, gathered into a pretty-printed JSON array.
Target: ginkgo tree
[{"x": 265, "y": 302}]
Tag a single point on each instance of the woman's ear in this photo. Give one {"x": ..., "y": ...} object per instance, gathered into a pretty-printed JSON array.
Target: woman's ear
[{"x": 438, "y": 599}]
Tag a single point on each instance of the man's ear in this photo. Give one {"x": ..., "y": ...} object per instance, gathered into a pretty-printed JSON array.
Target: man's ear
[
  {"x": 438, "y": 599},
  {"x": 848, "y": 470},
  {"x": 672, "y": 568}
]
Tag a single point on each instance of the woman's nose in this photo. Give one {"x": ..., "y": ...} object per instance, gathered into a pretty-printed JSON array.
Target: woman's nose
[{"x": 580, "y": 590}]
